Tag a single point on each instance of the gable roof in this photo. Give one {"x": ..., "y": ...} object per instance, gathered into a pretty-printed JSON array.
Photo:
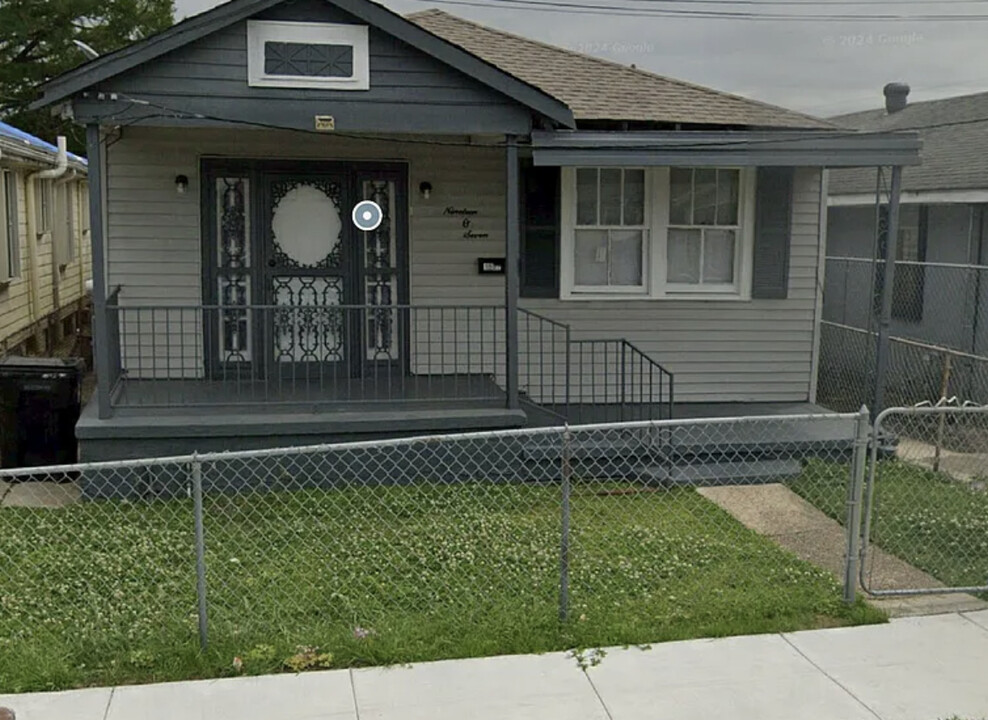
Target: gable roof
[
  {"x": 373, "y": 13},
  {"x": 955, "y": 145},
  {"x": 598, "y": 89}
]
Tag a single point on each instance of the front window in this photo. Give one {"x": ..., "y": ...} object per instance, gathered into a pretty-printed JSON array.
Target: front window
[
  {"x": 610, "y": 232},
  {"x": 656, "y": 232},
  {"x": 701, "y": 249}
]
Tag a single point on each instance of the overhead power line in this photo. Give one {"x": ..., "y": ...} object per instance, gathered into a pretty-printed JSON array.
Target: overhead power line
[
  {"x": 588, "y": 8},
  {"x": 813, "y": 3}
]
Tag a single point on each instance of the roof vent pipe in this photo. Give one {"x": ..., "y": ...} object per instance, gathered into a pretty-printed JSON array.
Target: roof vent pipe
[{"x": 896, "y": 95}]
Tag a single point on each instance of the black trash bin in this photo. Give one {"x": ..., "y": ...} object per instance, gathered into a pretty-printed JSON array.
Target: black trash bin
[{"x": 40, "y": 402}]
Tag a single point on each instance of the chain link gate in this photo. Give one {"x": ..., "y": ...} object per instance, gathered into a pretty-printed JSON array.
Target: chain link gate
[{"x": 924, "y": 519}]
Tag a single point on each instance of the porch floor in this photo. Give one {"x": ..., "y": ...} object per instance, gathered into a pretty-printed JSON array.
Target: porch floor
[{"x": 306, "y": 395}]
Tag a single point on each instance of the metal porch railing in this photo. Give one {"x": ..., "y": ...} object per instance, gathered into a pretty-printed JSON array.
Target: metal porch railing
[
  {"x": 589, "y": 380},
  {"x": 306, "y": 355},
  {"x": 314, "y": 356}
]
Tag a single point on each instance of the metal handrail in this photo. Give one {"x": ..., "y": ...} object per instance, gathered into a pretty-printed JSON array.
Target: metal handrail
[{"x": 610, "y": 389}]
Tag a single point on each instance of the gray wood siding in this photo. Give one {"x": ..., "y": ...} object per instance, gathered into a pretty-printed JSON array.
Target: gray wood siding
[
  {"x": 409, "y": 90},
  {"x": 719, "y": 350},
  {"x": 153, "y": 245},
  {"x": 728, "y": 351}
]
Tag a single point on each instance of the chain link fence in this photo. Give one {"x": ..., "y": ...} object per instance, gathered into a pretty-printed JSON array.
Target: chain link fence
[
  {"x": 411, "y": 549},
  {"x": 938, "y": 334},
  {"x": 483, "y": 543},
  {"x": 926, "y": 502}
]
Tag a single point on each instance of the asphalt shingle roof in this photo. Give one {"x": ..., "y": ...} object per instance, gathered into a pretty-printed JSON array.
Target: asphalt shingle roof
[
  {"x": 598, "y": 89},
  {"x": 955, "y": 145}
]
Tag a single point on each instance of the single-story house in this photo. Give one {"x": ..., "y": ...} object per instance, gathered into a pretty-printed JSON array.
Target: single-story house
[
  {"x": 44, "y": 255},
  {"x": 555, "y": 237},
  {"x": 940, "y": 293}
]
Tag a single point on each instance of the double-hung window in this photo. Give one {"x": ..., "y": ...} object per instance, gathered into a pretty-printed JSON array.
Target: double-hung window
[
  {"x": 704, "y": 230},
  {"x": 656, "y": 232},
  {"x": 44, "y": 208},
  {"x": 610, "y": 234},
  {"x": 10, "y": 254}
]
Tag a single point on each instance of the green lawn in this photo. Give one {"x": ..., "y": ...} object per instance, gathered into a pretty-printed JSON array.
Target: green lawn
[
  {"x": 928, "y": 519},
  {"x": 104, "y": 592}
]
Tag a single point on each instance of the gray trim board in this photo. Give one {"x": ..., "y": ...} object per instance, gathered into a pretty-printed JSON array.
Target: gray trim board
[
  {"x": 97, "y": 240},
  {"x": 512, "y": 268},
  {"x": 353, "y": 116},
  {"x": 101, "y": 69},
  {"x": 814, "y": 148}
]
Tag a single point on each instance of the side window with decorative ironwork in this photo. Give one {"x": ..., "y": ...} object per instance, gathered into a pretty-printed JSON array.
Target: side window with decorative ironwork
[
  {"x": 380, "y": 274},
  {"x": 233, "y": 265}
]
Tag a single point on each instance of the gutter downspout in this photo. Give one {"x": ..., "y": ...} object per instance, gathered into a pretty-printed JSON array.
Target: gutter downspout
[
  {"x": 32, "y": 231},
  {"x": 56, "y": 275}
]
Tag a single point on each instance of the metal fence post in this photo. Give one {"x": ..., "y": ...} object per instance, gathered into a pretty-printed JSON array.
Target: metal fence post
[
  {"x": 567, "y": 471},
  {"x": 200, "y": 552},
  {"x": 855, "y": 490},
  {"x": 942, "y": 420}
]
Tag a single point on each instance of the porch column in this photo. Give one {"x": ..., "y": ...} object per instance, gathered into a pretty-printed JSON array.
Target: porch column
[
  {"x": 101, "y": 349},
  {"x": 512, "y": 270},
  {"x": 885, "y": 315}
]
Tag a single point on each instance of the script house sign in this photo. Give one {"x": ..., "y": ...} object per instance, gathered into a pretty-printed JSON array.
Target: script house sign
[{"x": 466, "y": 217}]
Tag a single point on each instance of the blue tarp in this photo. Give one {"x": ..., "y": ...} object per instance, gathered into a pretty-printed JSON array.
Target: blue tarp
[{"x": 10, "y": 131}]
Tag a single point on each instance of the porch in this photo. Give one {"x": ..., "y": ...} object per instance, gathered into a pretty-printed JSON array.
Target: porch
[{"x": 225, "y": 377}]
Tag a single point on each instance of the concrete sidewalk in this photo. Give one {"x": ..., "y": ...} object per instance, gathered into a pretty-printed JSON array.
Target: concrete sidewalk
[{"x": 920, "y": 668}]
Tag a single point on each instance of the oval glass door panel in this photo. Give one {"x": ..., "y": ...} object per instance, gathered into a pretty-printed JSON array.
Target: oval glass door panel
[{"x": 306, "y": 225}]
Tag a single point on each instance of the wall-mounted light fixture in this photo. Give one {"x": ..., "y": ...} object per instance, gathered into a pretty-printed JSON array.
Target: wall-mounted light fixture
[
  {"x": 181, "y": 184},
  {"x": 425, "y": 188}
]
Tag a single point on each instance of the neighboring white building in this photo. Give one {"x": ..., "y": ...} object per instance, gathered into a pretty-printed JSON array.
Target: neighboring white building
[{"x": 45, "y": 260}]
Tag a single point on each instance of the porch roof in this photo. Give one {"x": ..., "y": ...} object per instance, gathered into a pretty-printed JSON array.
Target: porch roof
[{"x": 733, "y": 148}]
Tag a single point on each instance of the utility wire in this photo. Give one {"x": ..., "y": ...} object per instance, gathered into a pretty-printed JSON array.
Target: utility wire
[
  {"x": 813, "y": 3},
  {"x": 579, "y": 8},
  {"x": 177, "y": 114}
]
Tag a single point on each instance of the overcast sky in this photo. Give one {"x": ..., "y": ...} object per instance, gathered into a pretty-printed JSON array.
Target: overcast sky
[{"x": 818, "y": 67}]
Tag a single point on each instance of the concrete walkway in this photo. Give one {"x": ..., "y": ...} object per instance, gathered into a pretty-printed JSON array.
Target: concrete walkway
[
  {"x": 778, "y": 513},
  {"x": 920, "y": 668}
]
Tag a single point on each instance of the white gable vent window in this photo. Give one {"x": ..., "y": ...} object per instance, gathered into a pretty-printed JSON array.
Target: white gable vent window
[{"x": 307, "y": 55}]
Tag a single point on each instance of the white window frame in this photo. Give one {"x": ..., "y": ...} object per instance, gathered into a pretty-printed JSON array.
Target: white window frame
[
  {"x": 570, "y": 226},
  {"x": 743, "y": 248},
  {"x": 656, "y": 232},
  {"x": 260, "y": 32},
  {"x": 10, "y": 250},
  {"x": 44, "y": 206}
]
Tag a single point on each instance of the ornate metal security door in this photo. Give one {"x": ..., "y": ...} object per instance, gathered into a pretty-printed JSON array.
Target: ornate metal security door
[
  {"x": 293, "y": 289},
  {"x": 308, "y": 274}
]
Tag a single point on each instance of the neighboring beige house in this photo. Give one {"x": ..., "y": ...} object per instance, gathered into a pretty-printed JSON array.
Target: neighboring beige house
[{"x": 45, "y": 258}]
